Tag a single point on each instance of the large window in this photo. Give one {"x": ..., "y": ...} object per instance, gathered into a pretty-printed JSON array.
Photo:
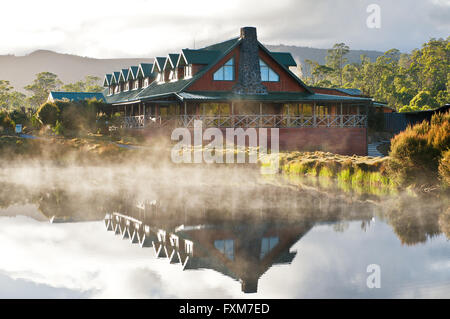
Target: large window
[
  {"x": 267, "y": 244},
  {"x": 226, "y": 72},
  {"x": 226, "y": 247},
  {"x": 267, "y": 74}
]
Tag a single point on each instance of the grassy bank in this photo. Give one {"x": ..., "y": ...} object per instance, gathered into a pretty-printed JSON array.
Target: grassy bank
[{"x": 363, "y": 174}]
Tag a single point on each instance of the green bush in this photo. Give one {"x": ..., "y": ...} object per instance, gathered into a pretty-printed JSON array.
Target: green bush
[
  {"x": 416, "y": 152},
  {"x": 6, "y": 123},
  {"x": 48, "y": 113}
]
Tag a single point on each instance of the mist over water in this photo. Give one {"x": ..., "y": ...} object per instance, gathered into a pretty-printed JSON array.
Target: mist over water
[{"x": 249, "y": 235}]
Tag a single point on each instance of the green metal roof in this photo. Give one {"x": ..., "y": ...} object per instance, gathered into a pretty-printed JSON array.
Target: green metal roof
[
  {"x": 77, "y": 96},
  {"x": 107, "y": 80},
  {"x": 284, "y": 58},
  {"x": 172, "y": 59},
  {"x": 146, "y": 69},
  {"x": 159, "y": 63},
  {"x": 272, "y": 96},
  {"x": 210, "y": 56},
  {"x": 115, "y": 77},
  {"x": 123, "y": 75},
  {"x": 157, "y": 90},
  {"x": 350, "y": 91},
  {"x": 132, "y": 73},
  {"x": 199, "y": 56}
]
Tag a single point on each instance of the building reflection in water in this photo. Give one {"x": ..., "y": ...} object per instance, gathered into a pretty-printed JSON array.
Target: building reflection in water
[
  {"x": 239, "y": 232},
  {"x": 239, "y": 243}
]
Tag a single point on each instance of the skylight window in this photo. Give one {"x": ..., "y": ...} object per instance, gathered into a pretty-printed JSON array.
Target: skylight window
[
  {"x": 267, "y": 74},
  {"x": 226, "y": 72}
]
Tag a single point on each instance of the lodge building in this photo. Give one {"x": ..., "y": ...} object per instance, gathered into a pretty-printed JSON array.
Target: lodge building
[{"x": 238, "y": 83}]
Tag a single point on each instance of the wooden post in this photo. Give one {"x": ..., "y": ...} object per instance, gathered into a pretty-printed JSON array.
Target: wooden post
[
  {"x": 314, "y": 115},
  {"x": 342, "y": 117},
  {"x": 260, "y": 115},
  {"x": 288, "y": 116},
  {"x": 232, "y": 114}
]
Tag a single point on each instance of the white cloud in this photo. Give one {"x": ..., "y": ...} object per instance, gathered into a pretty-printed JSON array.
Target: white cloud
[{"x": 140, "y": 28}]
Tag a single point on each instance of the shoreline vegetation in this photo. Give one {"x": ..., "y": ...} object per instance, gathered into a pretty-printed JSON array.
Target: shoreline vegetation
[{"x": 419, "y": 160}]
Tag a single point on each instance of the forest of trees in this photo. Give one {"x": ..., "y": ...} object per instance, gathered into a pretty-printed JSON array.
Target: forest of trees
[
  {"x": 407, "y": 82},
  {"x": 39, "y": 89}
]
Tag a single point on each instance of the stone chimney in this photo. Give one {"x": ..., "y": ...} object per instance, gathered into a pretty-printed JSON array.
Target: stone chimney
[{"x": 249, "y": 80}]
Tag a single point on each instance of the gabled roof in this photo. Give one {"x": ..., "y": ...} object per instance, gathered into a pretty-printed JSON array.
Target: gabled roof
[
  {"x": 107, "y": 80},
  {"x": 284, "y": 58},
  {"x": 115, "y": 77},
  {"x": 198, "y": 56},
  {"x": 123, "y": 75},
  {"x": 156, "y": 90},
  {"x": 354, "y": 92},
  {"x": 171, "y": 61},
  {"x": 132, "y": 73},
  {"x": 158, "y": 66},
  {"x": 296, "y": 78},
  {"x": 76, "y": 96},
  {"x": 212, "y": 54},
  {"x": 145, "y": 69}
]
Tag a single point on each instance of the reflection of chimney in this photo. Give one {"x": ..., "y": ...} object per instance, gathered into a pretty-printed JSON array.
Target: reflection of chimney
[
  {"x": 249, "y": 81},
  {"x": 249, "y": 285}
]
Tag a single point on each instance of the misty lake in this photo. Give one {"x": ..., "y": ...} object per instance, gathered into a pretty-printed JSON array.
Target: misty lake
[{"x": 135, "y": 232}]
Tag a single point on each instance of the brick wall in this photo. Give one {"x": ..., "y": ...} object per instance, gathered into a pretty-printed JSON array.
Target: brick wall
[{"x": 344, "y": 141}]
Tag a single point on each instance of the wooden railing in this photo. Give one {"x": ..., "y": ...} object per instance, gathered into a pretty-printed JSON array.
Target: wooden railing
[{"x": 246, "y": 121}]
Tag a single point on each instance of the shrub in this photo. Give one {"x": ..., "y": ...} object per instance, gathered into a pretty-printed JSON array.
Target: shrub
[
  {"x": 416, "y": 152},
  {"x": 6, "y": 123},
  {"x": 48, "y": 113}
]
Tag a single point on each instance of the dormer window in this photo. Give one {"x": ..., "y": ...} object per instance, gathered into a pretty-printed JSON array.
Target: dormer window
[
  {"x": 146, "y": 82},
  {"x": 111, "y": 90},
  {"x": 267, "y": 74},
  {"x": 136, "y": 84},
  {"x": 188, "y": 71},
  {"x": 226, "y": 72},
  {"x": 127, "y": 86},
  {"x": 173, "y": 75},
  {"x": 160, "y": 77},
  {"x": 117, "y": 89}
]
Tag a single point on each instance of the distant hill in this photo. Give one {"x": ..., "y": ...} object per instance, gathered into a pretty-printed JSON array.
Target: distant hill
[{"x": 21, "y": 70}]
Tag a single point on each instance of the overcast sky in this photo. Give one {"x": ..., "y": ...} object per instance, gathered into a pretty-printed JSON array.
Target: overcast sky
[{"x": 144, "y": 28}]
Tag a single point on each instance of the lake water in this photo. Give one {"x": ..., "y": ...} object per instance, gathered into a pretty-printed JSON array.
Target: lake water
[{"x": 133, "y": 233}]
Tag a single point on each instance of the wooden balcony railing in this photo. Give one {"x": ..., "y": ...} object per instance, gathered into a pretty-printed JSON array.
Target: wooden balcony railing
[{"x": 246, "y": 121}]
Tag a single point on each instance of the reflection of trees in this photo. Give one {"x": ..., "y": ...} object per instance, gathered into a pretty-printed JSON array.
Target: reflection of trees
[
  {"x": 415, "y": 220},
  {"x": 444, "y": 222},
  {"x": 12, "y": 194}
]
